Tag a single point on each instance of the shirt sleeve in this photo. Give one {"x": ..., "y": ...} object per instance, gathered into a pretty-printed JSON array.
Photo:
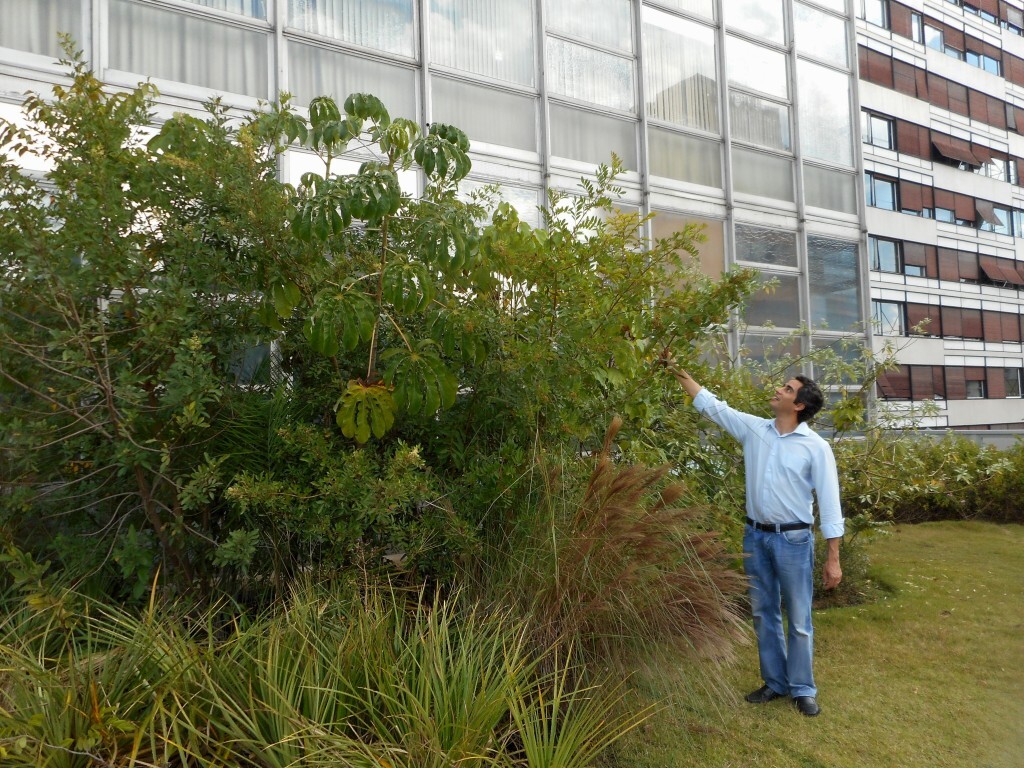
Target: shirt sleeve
[
  {"x": 826, "y": 486},
  {"x": 736, "y": 423}
]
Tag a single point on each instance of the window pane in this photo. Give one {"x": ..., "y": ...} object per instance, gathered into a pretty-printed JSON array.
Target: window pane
[
  {"x": 32, "y": 25},
  {"x": 591, "y": 138},
  {"x": 821, "y": 35},
  {"x": 765, "y": 246},
  {"x": 608, "y": 22},
  {"x": 759, "y": 121},
  {"x": 825, "y": 188},
  {"x": 884, "y": 255},
  {"x": 825, "y": 117},
  {"x": 1011, "y": 376},
  {"x": 881, "y": 193},
  {"x": 687, "y": 158},
  {"x": 175, "y": 46},
  {"x": 699, "y": 7},
  {"x": 761, "y": 18},
  {"x": 779, "y": 355},
  {"x": 757, "y": 173},
  {"x": 711, "y": 251},
  {"x": 874, "y": 12},
  {"x": 489, "y": 37},
  {"x": 472, "y": 108},
  {"x": 780, "y": 307},
  {"x": 880, "y": 130},
  {"x": 590, "y": 75},
  {"x": 255, "y": 8},
  {"x": 314, "y": 71},
  {"x": 835, "y": 5},
  {"x": 383, "y": 24},
  {"x": 834, "y": 282},
  {"x": 680, "y": 76},
  {"x": 524, "y": 200},
  {"x": 888, "y": 318},
  {"x": 756, "y": 67}
]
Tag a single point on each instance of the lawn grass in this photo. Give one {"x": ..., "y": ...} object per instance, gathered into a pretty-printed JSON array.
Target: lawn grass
[{"x": 930, "y": 674}]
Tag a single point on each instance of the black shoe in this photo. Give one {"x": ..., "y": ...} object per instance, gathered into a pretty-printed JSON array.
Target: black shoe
[
  {"x": 762, "y": 695},
  {"x": 807, "y": 705}
]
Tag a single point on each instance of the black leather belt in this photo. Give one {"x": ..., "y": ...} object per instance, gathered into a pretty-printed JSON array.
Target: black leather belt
[{"x": 779, "y": 527}]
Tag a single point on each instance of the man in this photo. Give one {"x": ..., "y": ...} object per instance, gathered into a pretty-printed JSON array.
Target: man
[{"x": 785, "y": 461}]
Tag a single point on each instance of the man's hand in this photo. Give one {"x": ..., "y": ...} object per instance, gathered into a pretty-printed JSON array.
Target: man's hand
[{"x": 832, "y": 573}]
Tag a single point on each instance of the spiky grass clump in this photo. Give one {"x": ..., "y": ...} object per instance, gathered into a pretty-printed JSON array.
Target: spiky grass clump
[{"x": 619, "y": 565}]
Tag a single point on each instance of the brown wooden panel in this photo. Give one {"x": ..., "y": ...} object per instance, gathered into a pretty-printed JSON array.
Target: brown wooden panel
[
  {"x": 938, "y": 94},
  {"x": 895, "y": 384},
  {"x": 952, "y": 321},
  {"x": 918, "y": 314},
  {"x": 945, "y": 199},
  {"x": 977, "y": 103},
  {"x": 1010, "y": 327},
  {"x": 899, "y": 20},
  {"x": 964, "y": 207},
  {"x": 968, "y": 266},
  {"x": 974, "y": 373},
  {"x": 996, "y": 383},
  {"x": 880, "y": 69},
  {"x": 908, "y": 139},
  {"x": 903, "y": 78},
  {"x": 988, "y": 6},
  {"x": 992, "y": 51},
  {"x": 921, "y": 83},
  {"x": 932, "y": 267},
  {"x": 911, "y": 196},
  {"x": 956, "y": 384},
  {"x": 958, "y": 98},
  {"x": 921, "y": 382},
  {"x": 1011, "y": 271},
  {"x": 953, "y": 37},
  {"x": 949, "y": 269},
  {"x": 914, "y": 254},
  {"x": 939, "y": 380},
  {"x": 953, "y": 148},
  {"x": 991, "y": 326},
  {"x": 971, "y": 323}
]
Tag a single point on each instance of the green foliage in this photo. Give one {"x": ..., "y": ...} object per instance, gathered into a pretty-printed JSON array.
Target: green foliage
[{"x": 330, "y": 677}]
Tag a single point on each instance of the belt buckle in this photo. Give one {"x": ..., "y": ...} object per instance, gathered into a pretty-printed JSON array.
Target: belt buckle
[{"x": 776, "y": 527}]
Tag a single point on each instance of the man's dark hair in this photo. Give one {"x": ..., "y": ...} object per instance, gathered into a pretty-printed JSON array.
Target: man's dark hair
[{"x": 810, "y": 395}]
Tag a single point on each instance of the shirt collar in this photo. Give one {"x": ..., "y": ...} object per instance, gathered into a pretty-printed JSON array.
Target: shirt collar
[{"x": 801, "y": 429}]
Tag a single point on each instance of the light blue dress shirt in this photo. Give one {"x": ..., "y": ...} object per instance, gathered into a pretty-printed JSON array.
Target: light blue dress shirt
[{"x": 781, "y": 470}]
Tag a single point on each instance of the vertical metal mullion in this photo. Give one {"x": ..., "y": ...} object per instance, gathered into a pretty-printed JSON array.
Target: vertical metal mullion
[
  {"x": 798, "y": 175},
  {"x": 729, "y": 234},
  {"x": 97, "y": 27},
  {"x": 858, "y": 150},
  {"x": 543, "y": 113},
  {"x": 422, "y": 7},
  {"x": 279, "y": 18},
  {"x": 641, "y": 105}
]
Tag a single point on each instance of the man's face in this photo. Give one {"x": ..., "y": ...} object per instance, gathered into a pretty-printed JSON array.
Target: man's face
[{"x": 784, "y": 400}]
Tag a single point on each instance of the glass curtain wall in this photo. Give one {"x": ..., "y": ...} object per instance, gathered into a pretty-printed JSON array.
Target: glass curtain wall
[{"x": 768, "y": 81}]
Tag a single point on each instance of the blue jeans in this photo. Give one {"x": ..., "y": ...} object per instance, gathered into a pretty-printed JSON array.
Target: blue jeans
[{"x": 780, "y": 568}]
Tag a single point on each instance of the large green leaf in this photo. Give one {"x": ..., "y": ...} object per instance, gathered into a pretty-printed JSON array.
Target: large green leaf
[{"x": 364, "y": 410}]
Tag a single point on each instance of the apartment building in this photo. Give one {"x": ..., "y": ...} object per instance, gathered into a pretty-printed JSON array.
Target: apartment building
[{"x": 942, "y": 121}]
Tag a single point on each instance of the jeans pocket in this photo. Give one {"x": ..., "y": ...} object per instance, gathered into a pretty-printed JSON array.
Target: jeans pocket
[{"x": 797, "y": 537}]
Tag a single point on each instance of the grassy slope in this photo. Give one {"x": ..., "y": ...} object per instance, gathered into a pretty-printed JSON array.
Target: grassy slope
[{"x": 932, "y": 674}]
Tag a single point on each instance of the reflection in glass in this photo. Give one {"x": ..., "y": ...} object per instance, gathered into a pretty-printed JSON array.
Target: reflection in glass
[
  {"x": 493, "y": 38},
  {"x": 590, "y": 75},
  {"x": 819, "y": 34},
  {"x": 686, "y": 158},
  {"x": 756, "y": 67},
  {"x": 826, "y": 188},
  {"x": 316, "y": 71},
  {"x": 383, "y": 24},
  {"x": 778, "y": 355},
  {"x": 765, "y": 246},
  {"x": 32, "y": 25},
  {"x": 699, "y": 7},
  {"x": 835, "y": 5},
  {"x": 711, "y": 252},
  {"x": 187, "y": 49},
  {"x": 834, "y": 281},
  {"x": 758, "y": 173},
  {"x": 761, "y": 18},
  {"x": 759, "y": 121},
  {"x": 590, "y": 137},
  {"x": 524, "y": 200},
  {"x": 606, "y": 22},
  {"x": 255, "y": 8},
  {"x": 778, "y": 306},
  {"x": 680, "y": 77},
  {"x": 473, "y": 107},
  {"x": 825, "y": 117}
]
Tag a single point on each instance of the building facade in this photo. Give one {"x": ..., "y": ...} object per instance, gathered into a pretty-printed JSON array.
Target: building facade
[
  {"x": 942, "y": 122},
  {"x": 894, "y": 198}
]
